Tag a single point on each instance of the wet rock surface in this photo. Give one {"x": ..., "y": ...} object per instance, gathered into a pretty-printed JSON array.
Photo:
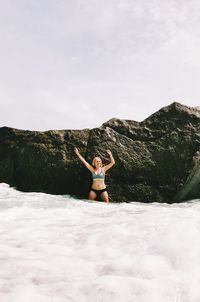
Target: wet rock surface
[{"x": 156, "y": 160}]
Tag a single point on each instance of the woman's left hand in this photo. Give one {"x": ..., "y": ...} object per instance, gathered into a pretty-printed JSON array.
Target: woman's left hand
[{"x": 109, "y": 152}]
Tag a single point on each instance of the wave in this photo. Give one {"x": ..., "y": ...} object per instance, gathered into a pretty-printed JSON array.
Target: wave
[{"x": 59, "y": 248}]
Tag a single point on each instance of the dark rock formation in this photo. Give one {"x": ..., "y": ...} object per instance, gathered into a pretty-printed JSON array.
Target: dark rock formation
[{"x": 156, "y": 160}]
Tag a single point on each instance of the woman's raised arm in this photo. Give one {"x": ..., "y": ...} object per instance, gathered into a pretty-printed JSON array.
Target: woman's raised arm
[
  {"x": 83, "y": 160},
  {"x": 112, "y": 161}
]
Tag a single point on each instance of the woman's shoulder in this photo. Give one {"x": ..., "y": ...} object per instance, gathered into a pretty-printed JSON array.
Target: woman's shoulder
[{"x": 103, "y": 169}]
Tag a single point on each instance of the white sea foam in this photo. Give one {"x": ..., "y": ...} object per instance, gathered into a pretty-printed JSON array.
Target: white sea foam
[{"x": 57, "y": 249}]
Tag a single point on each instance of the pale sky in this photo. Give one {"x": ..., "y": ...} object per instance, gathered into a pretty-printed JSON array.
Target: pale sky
[{"x": 74, "y": 64}]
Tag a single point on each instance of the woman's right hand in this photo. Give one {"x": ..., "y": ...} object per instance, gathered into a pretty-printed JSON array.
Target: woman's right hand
[{"x": 76, "y": 151}]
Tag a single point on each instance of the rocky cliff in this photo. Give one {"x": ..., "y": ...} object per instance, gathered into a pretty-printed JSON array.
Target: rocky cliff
[{"x": 156, "y": 160}]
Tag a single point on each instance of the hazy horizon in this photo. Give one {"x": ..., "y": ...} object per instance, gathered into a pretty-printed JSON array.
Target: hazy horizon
[{"x": 76, "y": 65}]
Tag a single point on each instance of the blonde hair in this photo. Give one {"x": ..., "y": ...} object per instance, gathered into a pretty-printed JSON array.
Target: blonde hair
[{"x": 93, "y": 162}]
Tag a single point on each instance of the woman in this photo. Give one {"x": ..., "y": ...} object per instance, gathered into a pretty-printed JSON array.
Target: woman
[{"x": 98, "y": 175}]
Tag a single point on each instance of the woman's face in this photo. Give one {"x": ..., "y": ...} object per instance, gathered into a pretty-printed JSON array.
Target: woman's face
[{"x": 97, "y": 162}]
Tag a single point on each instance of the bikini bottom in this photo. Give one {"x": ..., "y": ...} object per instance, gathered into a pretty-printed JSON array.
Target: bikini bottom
[{"x": 98, "y": 192}]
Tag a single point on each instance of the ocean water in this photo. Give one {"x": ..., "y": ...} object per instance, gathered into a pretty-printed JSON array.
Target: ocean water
[{"x": 57, "y": 249}]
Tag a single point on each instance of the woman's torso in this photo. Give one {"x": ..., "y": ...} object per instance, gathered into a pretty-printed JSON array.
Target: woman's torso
[{"x": 98, "y": 179}]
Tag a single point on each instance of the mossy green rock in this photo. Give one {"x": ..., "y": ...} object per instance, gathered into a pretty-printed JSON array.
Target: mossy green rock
[{"x": 157, "y": 160}]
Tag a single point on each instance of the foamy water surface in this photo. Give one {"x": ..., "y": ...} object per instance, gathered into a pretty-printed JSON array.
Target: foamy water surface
[{"x": 57, "y": 249}]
